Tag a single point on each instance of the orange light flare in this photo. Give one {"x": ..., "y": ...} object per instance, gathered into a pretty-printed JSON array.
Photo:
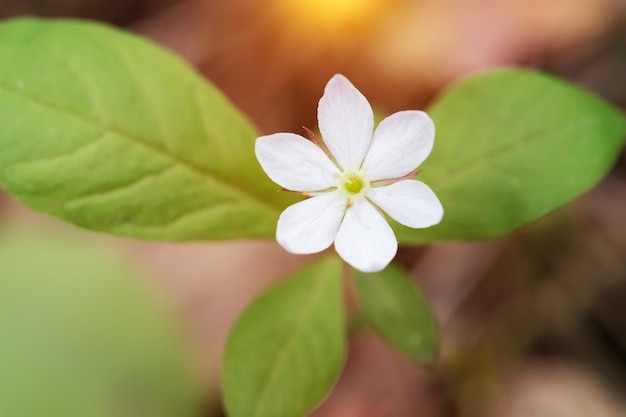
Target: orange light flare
[{"x": 326, "y": 20}]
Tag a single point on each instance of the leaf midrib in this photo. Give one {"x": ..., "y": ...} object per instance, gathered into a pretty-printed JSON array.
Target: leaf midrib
[
  {"x": 498, "y": 152},
  {"x": 304, "y": 312},
  {"x": 173, "y": 158}
]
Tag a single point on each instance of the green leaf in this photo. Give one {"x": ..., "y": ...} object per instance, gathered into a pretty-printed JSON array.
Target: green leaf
[
  {"x": 511, "y": 146},
  {"x": 286, "y": 350},
  {"x": 398, "y": 312},
  {"x": 80, "y": 336},
  {"x": 105, "y": 130}
]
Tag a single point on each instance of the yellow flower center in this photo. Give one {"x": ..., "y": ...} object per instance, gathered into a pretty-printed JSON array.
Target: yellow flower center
[{"x": 353, "y": 183}]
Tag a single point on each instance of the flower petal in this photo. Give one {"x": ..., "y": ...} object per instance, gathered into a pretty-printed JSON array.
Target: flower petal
[
  {"x": 411, "y": 203},
  {"x": 400, "y": 144},
  {"x": 346, "y": 121},
  {"x": 295, "y": 163},
  {"x": 365, "y": 240},
  {"x": 311, "y": 225}
]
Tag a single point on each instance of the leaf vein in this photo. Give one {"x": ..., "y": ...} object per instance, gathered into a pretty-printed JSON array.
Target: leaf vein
[
  {"x": 172, "y": 158},
  {"x": 119, "y": 189},
  {"x": 271, "y": 375},
  {"x": 137, "y": 82},
  {"x": 184, "y": 216},
  {"x": 499, "y": 151},
  {"x": 72, "y": 152}
]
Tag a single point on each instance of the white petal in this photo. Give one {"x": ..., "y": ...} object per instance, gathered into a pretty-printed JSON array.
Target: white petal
[
  {"x": 346, "y": 122},
  {"x": 365, "y": 240},
  {"x": 311, "y": 225},
  {"x": 411, "y": 203},
  {"x": 400, "y": 144},
  {"x": 295, "y": 163}
]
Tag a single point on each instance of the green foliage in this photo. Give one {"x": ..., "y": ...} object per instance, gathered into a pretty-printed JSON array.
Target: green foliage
[
  {"x": 511, "y": 146},
  {"x": 79, "y": 336},
  {"x": 107, "y": 131},
  {"x": 112, "y": 133},
  {"x": 398, "y": 312},
  {"x": 286, "y": 350}
]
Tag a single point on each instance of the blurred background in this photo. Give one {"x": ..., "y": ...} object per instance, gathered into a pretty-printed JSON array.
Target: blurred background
[{"x": 533, "y": 324}]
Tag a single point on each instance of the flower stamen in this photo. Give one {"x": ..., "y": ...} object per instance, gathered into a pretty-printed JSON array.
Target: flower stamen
[{"x": 353, "y": 184}]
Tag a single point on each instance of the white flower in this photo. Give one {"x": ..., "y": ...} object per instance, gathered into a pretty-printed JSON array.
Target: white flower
[{"x": 351, "y": 178}]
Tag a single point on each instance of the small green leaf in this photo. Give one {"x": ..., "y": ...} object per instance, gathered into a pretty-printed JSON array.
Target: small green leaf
[
  {"x": 398, "y": 312},
  {"x": 105, "y": 130},
  {"x": 511, "y": 146},
  {"x": 286, "y": 350},
  {"x": 80, "y": 336}
]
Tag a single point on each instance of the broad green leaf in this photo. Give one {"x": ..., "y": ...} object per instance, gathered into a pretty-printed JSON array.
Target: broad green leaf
[
  {"x": 80, "y": 336},
  {"x": 286, "y": 350},
  {"x": 105, "y": 130},
  {"x": 511, "y": 146},
  {"x": 398, "y": 312}
]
